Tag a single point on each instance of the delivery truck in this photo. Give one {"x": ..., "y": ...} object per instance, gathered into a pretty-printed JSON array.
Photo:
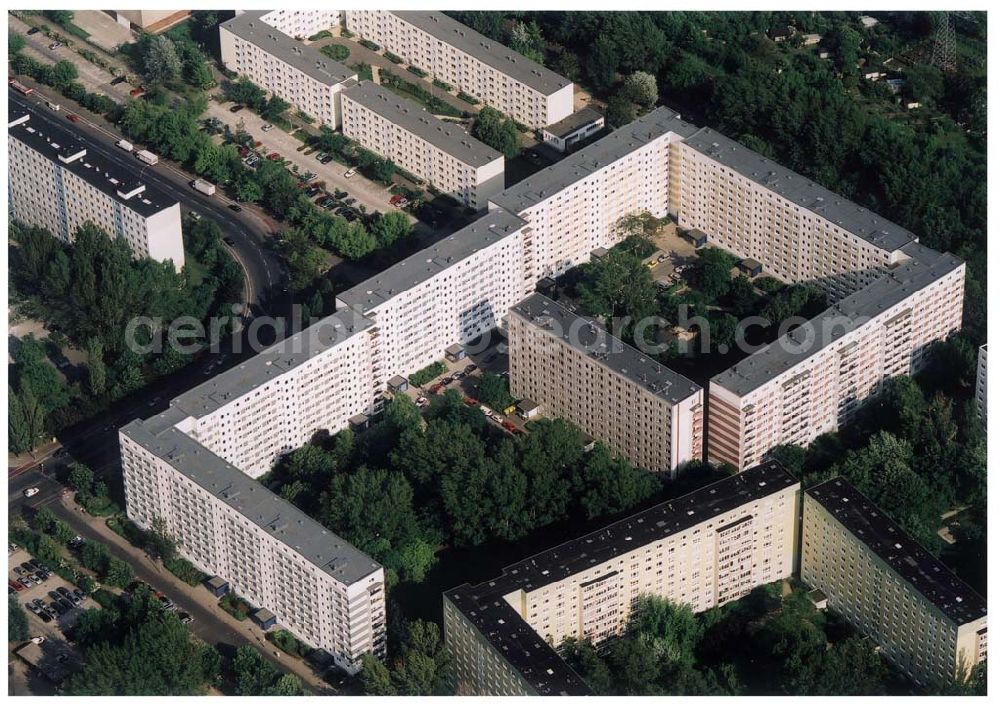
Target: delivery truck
[
  {"x": 125, "y": 145},
  {"x": 147, "y": 157},
  {"x": 204, "y": 187}
]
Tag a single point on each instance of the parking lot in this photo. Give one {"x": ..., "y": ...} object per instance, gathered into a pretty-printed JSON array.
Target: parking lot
[
  {"x": 53, "y": 605},
  {"x": 463, "y": 376}
]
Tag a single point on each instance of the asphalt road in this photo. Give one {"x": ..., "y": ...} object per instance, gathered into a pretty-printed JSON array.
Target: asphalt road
[{"x": 246, "y": 229}]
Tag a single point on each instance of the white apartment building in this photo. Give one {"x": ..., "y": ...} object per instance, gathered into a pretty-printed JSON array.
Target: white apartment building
[
  {"x": 575, "y": 370},
  {"x": 301, "y": 24},
  {"x": 704, "y": 549},
  {"x": 755, "y": 208},
  {"x": 981, "y": 384},
  {"x": 273, "y": 60},
  {"x": 193, "y": 467},
  {"x": 56, "y": 184},
  {"x": 816, "y": 377},
  {"x": 925, "y": 620},
  {"x": 441, "y": 153},
  {"x": 573, "y": 206},
  {"x": 465, "y": 59},
  {"x": 449, "y": 293}
]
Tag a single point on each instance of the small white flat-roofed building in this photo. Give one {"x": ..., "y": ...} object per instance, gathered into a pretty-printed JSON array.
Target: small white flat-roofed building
[
  {"x": 576, "y": 370},
  {"x": 458, "y": 55},
  {"x": 573, "y": 129},
  {"x": 56, "y": 183},
  {"x": 276, "y": 62},
  {"x": 441, "y": 153}
]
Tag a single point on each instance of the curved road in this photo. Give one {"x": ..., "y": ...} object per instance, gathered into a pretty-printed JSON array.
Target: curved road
[{"x": 247, "y": 230}]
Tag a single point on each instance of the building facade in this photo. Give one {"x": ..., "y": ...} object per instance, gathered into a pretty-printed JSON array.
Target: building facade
[
  {"x": 575, "y": 370},
  {"x": 54, "y": 182},
  {"x": 465, "y": 59},
  {"x": 926, "y": 621},
  {"x": 981, "y": 384},
  {"x": 816, "y": 378},
  {"x": 193, "y": 468},
  {"x": 250, "y": 46},
  {"x": 441, "y": 153},
  {"x": 704, "y": 549},
  {"x": 302, "y": 24}
]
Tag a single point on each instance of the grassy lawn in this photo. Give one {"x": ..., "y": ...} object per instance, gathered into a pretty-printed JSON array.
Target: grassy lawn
[{"x": 197, "y": 270}]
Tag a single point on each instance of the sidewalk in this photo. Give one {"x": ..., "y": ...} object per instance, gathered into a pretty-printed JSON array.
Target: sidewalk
[{"x": 212, "y": 624}]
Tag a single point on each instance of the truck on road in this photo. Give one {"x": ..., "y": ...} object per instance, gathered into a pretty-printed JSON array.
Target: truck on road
[
  {"x": 204, "y": 187},
  {"x": 147, "y": 157},
  {"x": 125, "y": 145}
]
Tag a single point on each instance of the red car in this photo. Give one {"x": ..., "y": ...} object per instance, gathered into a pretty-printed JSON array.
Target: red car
[
  {"x": 471, "y": 402},
  {"x": 136, "y": 92},
  {"x": 73, "y": 117},
  {"x": 274, "y": 156},
  {"x": 395, "y": 200},
  {"x": 436, "y": 388},
  {"x": 509, "y": 426}
]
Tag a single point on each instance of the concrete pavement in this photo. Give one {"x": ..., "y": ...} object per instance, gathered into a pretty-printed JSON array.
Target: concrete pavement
[{"x": 374, "y": 196}]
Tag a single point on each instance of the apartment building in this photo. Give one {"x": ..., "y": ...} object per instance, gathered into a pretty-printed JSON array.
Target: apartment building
[
  {"x": 573, "y": 206},
  {"x": 310, "y": 81},
  {"x": 816, "y": 377},
  {"x": 574, "y": 369},
  {"x": 193, "y": 466},
  {"x": 301, "y": 24},
  {"x": 449, "y": 293},
  {"x": 406, "y": 133},
  {"x": 704, "y": 549},
  {"x": 981, "y": 384},
  {"x": 465, "y": 59},
  {"x": 925, "y": 620},
  {"x": 153, "y": 21},
  {"x": 755, "y": 208},
  {"x": 56, "y": 183}
]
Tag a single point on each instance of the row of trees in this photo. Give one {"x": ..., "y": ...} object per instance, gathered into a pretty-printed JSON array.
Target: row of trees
[
  {"x": 409, "y": 484},
  {"x": 60, "y": 76}
]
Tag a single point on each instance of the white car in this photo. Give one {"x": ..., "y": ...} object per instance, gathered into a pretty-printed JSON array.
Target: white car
[
  {"x": 422, "y": 402},
  {"x": 28, "y": 493},
  {"x": 38, "y": 639},
  {"x": 266, "y": 127},
  {"x": 351, "y": 172}
]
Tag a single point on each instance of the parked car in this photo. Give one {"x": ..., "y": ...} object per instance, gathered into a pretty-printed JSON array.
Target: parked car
[
  {"x": 351, "y": 172},
  {"x": 327, "y": 160},
  {"x": 118, "y": 79},
  {"x": 73, "y": 117},
  {"x": 185, "y": 617},
  {"x": 422, "y": 401},
  {"x": 228, "y": 240},
  {"x": 28, "y": 493},
  {"x": 470, "y": 368},
  {"x": 396, "y": 198},
  {"x": 55, "y": 45},
  {"x": 64, "y": 592},
  {"x": 33, "y": 30},
  {"x": 235, "y": 207},
  {"x": 266, "y": 127},
  {"x": 339, "y": 194},
  {"x": 38, "y": 639},
  {"x": 236, "y": 109},
  {"x": 136, "y": 92},
  {"x": 350, "y": 201}
]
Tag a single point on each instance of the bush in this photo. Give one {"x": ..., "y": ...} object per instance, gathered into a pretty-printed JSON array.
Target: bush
[
  {"x": 394, "y": 58},
  {"x": 185, "y": 571},
  {"x": 467, "y": 98},
  {"x": 442, "y": 85},
  {"x": 288, "y": 643},
  {"x": 325, "y": 34},
  {"x": 369, "y": 45},
  {"x": 417, "y": 70},
  {"x": 236, "y": 606},
  {"x": 105, "y": 598},
  {"x": 425, "y": 375},
  {"x": 337, "y": 52}
]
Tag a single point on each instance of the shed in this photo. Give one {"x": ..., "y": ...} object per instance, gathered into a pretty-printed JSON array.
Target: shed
[
  {"x": 818, "y": 599},
  {"x": 218, "y": 586},
  {"x": 750, "y": 267},
  {"x": 572, "y": 129},
  {"x": 528, "y": 409},
  {"x": 546, "y": 286},
  {"x": 398, "y": 384},
  {"x": 264, "y": 618},
  {"x": 358, "y": 422},
  {"x": 696, "y": 237},
  {"x": 598, "y": 253},
  {"x": 455, "y": 352}
]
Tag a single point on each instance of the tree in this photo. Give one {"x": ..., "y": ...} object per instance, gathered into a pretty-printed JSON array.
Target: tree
[
  {"x": 609, "y": 484},
  {"x": 499, "y": 133},
  {"x": 618, "y": 285},
  {"x": 34, "y": 414},
  {"x": 63, "y": 73},
  {"x": 640, "y": 87},
  {"x": 198, "y": 74},
  {"x": 493, "y": 391},
  {"x": 602, "y": 63},
  {"x": 161, "y": 544},
  {"x": 17, "y": 621},
  {"x": 118, "y": 573},
  {"x": 255, "y": 676},
  {"x": 712, "y": 272},
  {"x": 32, "y": 368},
  {"x": 97, "y": 372},
  {"x": 81, "y": 478},
  {"x": 375, "y": 677},
  {"x": 160, "y": 62},
  {"x": 19, "y": 435},
  {"x": 274, "y": 108},
  {"x": 422, "y": 666},
  {"x": 15, "y": 43},
  {"x": 390, "y": 227}
]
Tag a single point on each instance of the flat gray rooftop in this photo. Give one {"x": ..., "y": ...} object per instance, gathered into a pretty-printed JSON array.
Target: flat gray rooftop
[
  {"x": 928, "y": 575},
  {"x": 311, "y": 62},
  {"x": 804, "y": 192},
  {"x": 486, "y": 50},
  {"x": 593, "y": 158},
  {"x": 54, "y": 142},
  {"x": 514, "y": 639},
  {"x": 425, "y": 264},
  {"x": 414, "y": 118},
  {"x": 834, "y": 323},
  {"x": 591, "y": 339},
  {"x": 270, "y": 363},
  {"x": 574, "y": 121},
  {"x": 276, "y": 516}
]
